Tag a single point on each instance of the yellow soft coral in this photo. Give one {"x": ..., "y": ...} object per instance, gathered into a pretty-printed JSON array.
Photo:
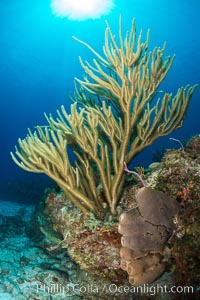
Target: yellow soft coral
[{"x": 115, "y": 116}]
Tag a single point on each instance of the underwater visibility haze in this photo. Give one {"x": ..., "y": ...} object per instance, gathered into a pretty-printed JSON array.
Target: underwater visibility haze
[
  {"x": 116, "y": 83},
  {"x": 39, "y": 60}
]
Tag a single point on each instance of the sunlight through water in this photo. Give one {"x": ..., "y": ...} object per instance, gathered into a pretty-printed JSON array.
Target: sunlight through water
[{"x": 81, "y": 9}]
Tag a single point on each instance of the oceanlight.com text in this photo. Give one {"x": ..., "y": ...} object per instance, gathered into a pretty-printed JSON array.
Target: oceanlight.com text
[{"x": 78, "y": 289}]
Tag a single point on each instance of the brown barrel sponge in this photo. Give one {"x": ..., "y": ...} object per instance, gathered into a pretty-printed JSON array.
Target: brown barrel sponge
[{"x": 145, "y": 231}]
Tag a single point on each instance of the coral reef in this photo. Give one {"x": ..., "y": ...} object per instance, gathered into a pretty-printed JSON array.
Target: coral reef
[
  {"x": 95, "y": 244},
  {"x": 179, "y": 177},
  {"x": 117, "y": 113},
  {"x": 92, "y": 243}
]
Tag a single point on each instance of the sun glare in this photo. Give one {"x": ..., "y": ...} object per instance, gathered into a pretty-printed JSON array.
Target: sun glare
[{"x": 81, "y": 9}]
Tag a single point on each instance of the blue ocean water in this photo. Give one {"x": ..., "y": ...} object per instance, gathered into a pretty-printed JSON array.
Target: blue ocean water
[{"x": 39, "y": 60}]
